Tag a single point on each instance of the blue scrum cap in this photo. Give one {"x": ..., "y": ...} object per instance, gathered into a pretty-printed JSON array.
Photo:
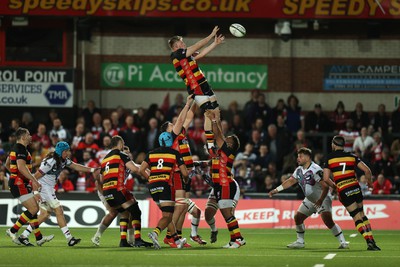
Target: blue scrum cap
[
  {"x": 165, "y": 139},
  {"x": 61, "y": 147}
]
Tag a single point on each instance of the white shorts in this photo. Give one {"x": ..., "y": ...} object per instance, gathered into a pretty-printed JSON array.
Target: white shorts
[
  {"x": 49, "y": 199},
  {"x": 307, "y": 207},
  {"x": 201, "y": 99}
]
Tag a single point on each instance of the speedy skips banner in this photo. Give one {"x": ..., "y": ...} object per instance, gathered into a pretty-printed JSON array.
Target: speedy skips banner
[
  {"x": 277, "y": 9},
  {"x": 152, "y": 75}
]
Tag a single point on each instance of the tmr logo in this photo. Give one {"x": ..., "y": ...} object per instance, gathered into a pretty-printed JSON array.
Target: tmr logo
[
  {"x": 57, "y": 94},
  {"x": 254, "y": 216}
]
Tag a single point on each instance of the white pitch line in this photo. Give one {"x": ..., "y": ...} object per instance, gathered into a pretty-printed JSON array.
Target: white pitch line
[
  {"x": 330, "y": 256},
  {"x": 319, "y": 265},
  {"x": 353, "y": 235}
]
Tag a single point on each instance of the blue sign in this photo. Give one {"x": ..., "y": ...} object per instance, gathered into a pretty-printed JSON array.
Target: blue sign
[
  {"x": 57, "y": 94},
  {"x": 362, "y": 77}
]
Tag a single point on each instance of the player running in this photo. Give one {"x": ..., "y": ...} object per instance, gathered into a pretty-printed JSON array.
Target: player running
[
  {"x": 341, "y": 165},
  {"x": 309, "y": 176},
  {"x": 47, "y": 174}
]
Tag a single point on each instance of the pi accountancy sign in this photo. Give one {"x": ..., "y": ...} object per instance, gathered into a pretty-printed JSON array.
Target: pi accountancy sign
[{"x": 152, "y": 75}]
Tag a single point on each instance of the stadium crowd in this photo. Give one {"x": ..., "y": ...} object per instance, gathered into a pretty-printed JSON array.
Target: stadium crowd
[{"x": 269, "y": 136}]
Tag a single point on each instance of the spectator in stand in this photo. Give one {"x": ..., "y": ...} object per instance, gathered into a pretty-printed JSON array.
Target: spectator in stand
[
  {"x": 256, "y": 140},
  {"x": 340, "y": 117},
  {"x": 247, "y": 157},
  {"x": 196, "y": 137},
  {"x": 159, "y": 115},
  {"x": 3, "y": 133},
  {"x": 385, "y": 166},
  {"x": 294, "y": 118},
  {"x": 108, "y": 129},
  {"x": 89, "y": 111},
  {"x": 363, "y": 143},
  {"x": 139, "y": 116},
  {"x": 238, "y": 129},
  {"x": 97, "y": 128},
  {"x": 228, "y": 114},
  {"x": 381, "y": 121},
  {"x": 116, "y": 125},
  {"x": 78, "y": 137},
  {"x": 359, "y": 117},
  {"x": 364, "y": 186},
  {"x": 278, "y": 147},
  {"x": 263, "y": 159},
  {"x": 14, "y": 125},
  {"x": 349, "y": 135},
  {"x": 381, "y": 186},
  {"x": 395, "y": 152},
  {"x": 377, "y": 148},
  {"x": 261, "y": 127},
  {"x": 121, "y": 114},
  {"x": 27, "y": 121},
  {"x": 317, "y": 121},
  {"x": 273, "y": 171},
  {"x": 396, "y": 120},
  {"x": 261, "y": 110},
  {"x": 7, "y": 146},
  {"x": 396, "y": 185},
  {"x": 59, "y": 129},
  {"x": 104, "y": 148},
  {"x": 269, "y": 184},
  {"x": 64, "y": 184},
  {"x": 249, "y": 107},
  {"x": 279, "y": 109},
  {"x": 131, "y": 135},
  {"x": 176, "y": 108},
  {"x": 152, "y": 134},
  {"x": 301, "y": 141},
  {"x": 86, "y": 181},
  {"x": 87, "y": 145},
  {"x": 3, "y": 179},
  {"x": 41, "y": 136},
  {"x": 51, "y": 117},
  {"x": 283, "y": 133}
]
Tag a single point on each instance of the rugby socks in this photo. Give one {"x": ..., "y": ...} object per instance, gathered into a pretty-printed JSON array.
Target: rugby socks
[
  {"x": 157, "y": 230},
  {"x": 300, "y": 229},
  {"x": 66, "y": 232},
  {"x": 179, "y": 233},
  {"x": 194, "y": 226},
  {"x": 362, "y": 229},
  {"x": 210, "y": 139},
  {"x": 233, "y": 227},
  {"x": 35, "y": 227},
  {"x": 367, "y": 224},
  {"x": 211, "y": 223},
  {"x": 23, "y": 219},
  {"x": 337, "y": 232},
  {"x": 136, "y": 224},
  {"x": 27, "y": 231},
  {"x": 123, "y": 227}
]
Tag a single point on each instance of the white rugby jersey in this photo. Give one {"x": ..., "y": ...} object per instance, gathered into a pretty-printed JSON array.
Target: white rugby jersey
[
  {"x": 50, "y": 171},
  {"x": 308, "y": 180}
]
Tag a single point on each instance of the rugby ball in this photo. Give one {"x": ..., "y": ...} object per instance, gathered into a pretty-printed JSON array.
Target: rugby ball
[{"x": 237, "y": 30}]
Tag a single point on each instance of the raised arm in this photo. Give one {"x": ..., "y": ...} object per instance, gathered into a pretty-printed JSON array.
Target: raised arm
[
  {"x": 192, "y": 49},
  {"x": 217, "y": 41},
  {"x": 182, "y": 116},
  {"x": 190, "y": 116},
  {"x": 215, "y": 128}
]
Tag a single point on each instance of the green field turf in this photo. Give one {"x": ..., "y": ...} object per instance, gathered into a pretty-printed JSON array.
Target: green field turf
[{"x": 265, "y": 247}]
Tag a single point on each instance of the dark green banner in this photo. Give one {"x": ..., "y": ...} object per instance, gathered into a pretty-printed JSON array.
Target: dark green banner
[{"x": 152, "y": 75}]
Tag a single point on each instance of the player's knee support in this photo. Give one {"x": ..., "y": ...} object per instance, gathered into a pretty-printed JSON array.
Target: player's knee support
[
  {"x": 354, "y": 212},
  {"x": 214, "y": 105},
  {"x": 135, "y": 211},
  {"x": 180, "y": 201},
  {"x": 191, "y": 206},
  {"x": 167, "y": 209}
]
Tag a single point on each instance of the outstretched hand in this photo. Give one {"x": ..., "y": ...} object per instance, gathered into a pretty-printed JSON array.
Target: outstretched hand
[
  {"x": 214, "y": 31},
  {"x": 219, "y": 39}
]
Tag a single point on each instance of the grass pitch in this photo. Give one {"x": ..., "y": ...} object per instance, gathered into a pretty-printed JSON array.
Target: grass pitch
[{"x": 265, "y": 247}]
